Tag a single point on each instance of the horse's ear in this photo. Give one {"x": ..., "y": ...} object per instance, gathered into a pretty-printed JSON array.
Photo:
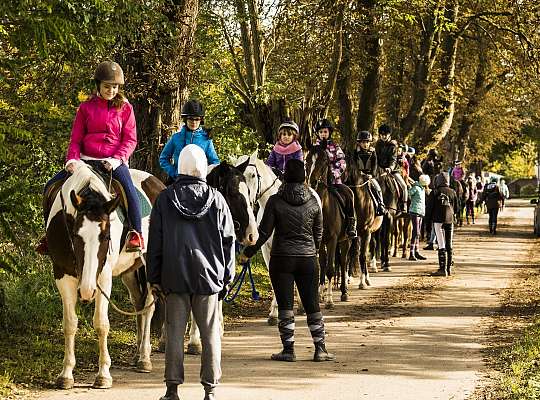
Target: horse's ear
[
  {"x": 76, "y": 200},
  {"x": 255, "y": 154},
  {"x": 111, "y": 205},
  {"x": 242, "y": 167}
]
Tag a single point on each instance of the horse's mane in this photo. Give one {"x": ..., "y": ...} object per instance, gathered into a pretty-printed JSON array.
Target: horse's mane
[{"x": 83, "y": 177}]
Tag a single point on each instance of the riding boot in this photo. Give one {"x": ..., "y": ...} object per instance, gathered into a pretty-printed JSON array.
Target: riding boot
[
  {"x": 442, "y": 264},
  {"x": 351, "y": 227},
  {"x": 172, "y": 392},
  {"x": 376, "y": 195},
  {"x": 316, "y": 327},
  {"x": 412, "y": 257},
  {"x": 449, "y": 261},
  {"x": 419, "y": 256},
  {"x": 286, "y": 332}
]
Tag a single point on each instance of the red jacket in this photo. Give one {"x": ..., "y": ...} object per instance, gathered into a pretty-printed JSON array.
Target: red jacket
[{"x": 103, "y": 131}]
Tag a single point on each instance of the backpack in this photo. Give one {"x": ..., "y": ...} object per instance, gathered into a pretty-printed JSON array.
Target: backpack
[{"x": 442, "y": 199}]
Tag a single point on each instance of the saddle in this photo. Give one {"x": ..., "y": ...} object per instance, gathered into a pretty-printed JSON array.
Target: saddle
[
  {"x": 334, "y": 191},
  {"x": 115, "y": 189}
]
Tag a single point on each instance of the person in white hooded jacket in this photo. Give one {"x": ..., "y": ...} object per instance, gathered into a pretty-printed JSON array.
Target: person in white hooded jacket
[{"x": 191, "y": 259}]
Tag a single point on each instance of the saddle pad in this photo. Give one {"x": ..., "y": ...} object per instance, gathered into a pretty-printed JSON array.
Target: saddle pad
[{"x": 146, "y": 207}]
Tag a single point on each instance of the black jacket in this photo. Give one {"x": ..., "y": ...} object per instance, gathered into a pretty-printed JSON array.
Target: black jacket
[
  {"x": 437, "y": 212},
  {"x": 191, "y": 239},
  {"x": 366, "y": 161},
  {"x": 492, "y": 196},
  {"x": 296, "y": 217},
  {"x": 387, "y": 154}
]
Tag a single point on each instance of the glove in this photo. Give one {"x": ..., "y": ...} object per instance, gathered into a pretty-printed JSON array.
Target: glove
[
  {"x": 111, "y": 163},
  {"x": 157, "y": 290},
  {"x": 223, "y": 292},
  {"x": 242, "y": 258}
]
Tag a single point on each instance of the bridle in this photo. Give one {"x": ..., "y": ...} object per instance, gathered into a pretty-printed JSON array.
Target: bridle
[{"x": 258, "y": 193}]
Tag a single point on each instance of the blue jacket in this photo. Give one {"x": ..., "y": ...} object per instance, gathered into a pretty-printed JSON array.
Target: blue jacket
[
  {"x": 168, "y": 159},
  {"x": 417, "y": 195}
]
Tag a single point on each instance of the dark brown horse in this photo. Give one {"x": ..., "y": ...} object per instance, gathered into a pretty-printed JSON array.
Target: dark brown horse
[
  {"x": 367, "y": 222},
  {"x": 334, "y": 231}
]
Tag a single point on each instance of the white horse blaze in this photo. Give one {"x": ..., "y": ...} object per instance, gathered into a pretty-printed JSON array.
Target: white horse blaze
[
  {"x": 89, "y": 231},
  {"x": 252, "y": 233}
]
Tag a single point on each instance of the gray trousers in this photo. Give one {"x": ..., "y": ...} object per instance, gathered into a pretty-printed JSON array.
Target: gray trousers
[{"x": 206, "y": 313}]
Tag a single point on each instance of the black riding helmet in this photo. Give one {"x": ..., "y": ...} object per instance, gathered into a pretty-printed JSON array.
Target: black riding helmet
[
  {"x": 385, "y": 129},
  {"x": 192, "y": 108},
  {"x": 363, "y": 136},
  {"x": 324, "y": 123}
]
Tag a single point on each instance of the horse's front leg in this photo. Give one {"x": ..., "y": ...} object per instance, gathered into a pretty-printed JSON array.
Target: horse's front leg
[
  {"x": 67, "y": 286},
  {"x": 344, "y": 256},
  {"x": 194, "y": 346},
  {"x": 330, "y": 260},
  {"x": 101, "y": 326},
  {"x": 323, "y": 260}
]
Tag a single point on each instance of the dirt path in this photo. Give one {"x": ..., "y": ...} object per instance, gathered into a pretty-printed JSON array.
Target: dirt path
[{"x": 410, "y": 337}]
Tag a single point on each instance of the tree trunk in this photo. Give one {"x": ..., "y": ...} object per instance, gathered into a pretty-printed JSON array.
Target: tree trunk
[
  {"x": 346, "y": 121},
  {"x": 446, "y": 99},
  {"x": 396, "y": 95},
  {"x": 422, "y": 74},
  {"x": 157, "y": 110},
  {"x": 369, "y": 97}
]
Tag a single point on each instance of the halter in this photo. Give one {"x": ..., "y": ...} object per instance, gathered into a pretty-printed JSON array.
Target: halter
[{"x": 258, "y": 193}]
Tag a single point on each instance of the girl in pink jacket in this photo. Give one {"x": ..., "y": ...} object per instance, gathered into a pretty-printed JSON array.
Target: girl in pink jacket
[{"x": 104, "y": 130}]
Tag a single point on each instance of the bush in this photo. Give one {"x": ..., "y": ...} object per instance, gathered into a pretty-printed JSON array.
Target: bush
[{"x": 529, "y": 190}]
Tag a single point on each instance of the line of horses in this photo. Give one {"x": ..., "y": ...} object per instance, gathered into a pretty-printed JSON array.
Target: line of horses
[{"x": 87, "y": 243}]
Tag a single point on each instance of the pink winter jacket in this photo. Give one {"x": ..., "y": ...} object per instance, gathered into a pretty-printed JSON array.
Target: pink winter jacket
[{"x": 101, "y": 131}]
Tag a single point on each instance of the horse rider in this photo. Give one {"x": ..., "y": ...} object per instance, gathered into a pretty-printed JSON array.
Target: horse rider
[
  {"x": 457, "y": 172},
  {"x": 432, "y": 164},
  {"x": 365, "y": 157},
  {"x": 324, "y": 129},
  {"x": 387, "y": 151},
  {"x": 192, "y": 132},
  {"x": 104, "y": 131}
]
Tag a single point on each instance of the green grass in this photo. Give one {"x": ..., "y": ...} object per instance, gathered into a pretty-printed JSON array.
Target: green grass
[{"x": 32, "y": 341}]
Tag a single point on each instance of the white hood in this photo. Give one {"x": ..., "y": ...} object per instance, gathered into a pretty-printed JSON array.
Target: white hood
[{"x": 192, "y": 161}]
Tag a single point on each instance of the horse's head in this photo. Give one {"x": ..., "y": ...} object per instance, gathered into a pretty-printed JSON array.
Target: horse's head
[
  {"x": 317, "y": 166},
  {"x": 90, "y": 236},
  {"x": 232, "y": 185}
]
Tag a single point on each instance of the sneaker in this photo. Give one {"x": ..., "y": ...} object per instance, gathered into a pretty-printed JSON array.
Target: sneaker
[
  {"x": 135, "y": 242},
  {"x": 42, "y": 247}
]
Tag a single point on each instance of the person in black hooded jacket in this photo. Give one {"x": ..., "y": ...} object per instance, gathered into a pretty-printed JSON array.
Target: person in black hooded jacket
[
  {"x": 295, "y": 217},
  {"x": 191, "y": 259},
  {"x": 440, "y": 206}
]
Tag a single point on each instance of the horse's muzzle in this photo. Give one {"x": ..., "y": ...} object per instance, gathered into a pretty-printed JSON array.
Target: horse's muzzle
[{"x": 87, "y": 296}]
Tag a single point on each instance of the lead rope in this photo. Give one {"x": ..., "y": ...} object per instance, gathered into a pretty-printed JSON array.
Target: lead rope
[{"x": 128, "y": 313}]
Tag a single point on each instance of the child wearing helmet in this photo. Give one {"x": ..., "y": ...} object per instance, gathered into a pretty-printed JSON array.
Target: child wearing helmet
[
  {"x": 324, "y": 129},
  {"x": 191, "y": 132},
  {"x": 286, "y": 148},
  {"x": 417, "y": 210},
  {"x": 104, "y": 130},
  {"x": 366, "y": 161}
]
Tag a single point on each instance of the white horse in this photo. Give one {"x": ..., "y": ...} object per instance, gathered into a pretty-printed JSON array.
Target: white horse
[
  {"x": 262, "y": 183},
  {"x": 86, "y": 246}
]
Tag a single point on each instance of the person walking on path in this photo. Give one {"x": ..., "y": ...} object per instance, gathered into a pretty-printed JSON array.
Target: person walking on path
[
  {"x": 417, "y": 210},
  {"x": 504, "y": 191},
  {"x": 440, "y": 207},
  {"x": 192, "y": 132},
  {"x": 191, "y": 260},
  {"x": 295, "y": 217},
  {"x": 285, "y": 149},
  {"x": 472, "y": 198},
  {"x": 492, "y": 197},
  {"x": 104, "y": 131}
]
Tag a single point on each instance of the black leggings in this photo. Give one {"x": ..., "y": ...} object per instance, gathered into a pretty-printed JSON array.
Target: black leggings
[
  {"x": 304, "y": 271},
  {"x": 493, "y": 213}
]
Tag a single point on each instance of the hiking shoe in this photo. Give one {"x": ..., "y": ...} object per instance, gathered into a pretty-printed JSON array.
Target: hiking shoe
[
  {"x": 135, "y": 242},
  {"x": 42, "y": 247},
  {"x": 321, "y": 354},
  {"x": 284, "y": 356}
]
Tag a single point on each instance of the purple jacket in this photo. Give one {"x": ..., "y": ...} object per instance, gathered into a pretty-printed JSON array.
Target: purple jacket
[
  {"x": 101, "y": 131},
  {"x": 278, "y": 159}
]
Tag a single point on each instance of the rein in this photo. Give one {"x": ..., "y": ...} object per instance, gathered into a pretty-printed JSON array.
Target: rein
[
  {"x": 128, "y": 313},
  {"x": 258, "y": 194}
]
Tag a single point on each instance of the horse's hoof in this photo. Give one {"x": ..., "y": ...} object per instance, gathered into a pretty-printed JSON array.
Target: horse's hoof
[
  {"x": 300, "y": 311},
  {"x": 387, "y": 269},
  {"x": 344, "y": 297},
  {"x": 64, "y": 383},
  {"x": 102, "y": 382},
  {"x": 272, "y": 321},
  {"x": 144, "y": 366},
  {"x": 193, "y": 349},
  {"x": 362, "y": 286},
  {"x": 161, "y": 347},
  {"x": 329, "y": 306}
]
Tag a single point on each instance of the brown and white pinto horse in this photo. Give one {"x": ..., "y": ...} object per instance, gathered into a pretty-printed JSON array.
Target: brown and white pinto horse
[{"x": 86, "y": 245}]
